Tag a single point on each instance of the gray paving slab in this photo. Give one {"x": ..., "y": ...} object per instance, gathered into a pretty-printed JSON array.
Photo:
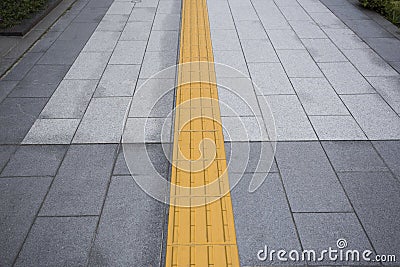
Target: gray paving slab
[
  {"x": 120, "y": 8},
  {"x": 353, "y": 156},
  {"x": 270, "y": 78},
  {"x": 337, "y": 128},
  {"x": 118, "y": 80},
  {"x": 34, "y": 161},
  {"x": 89, "y": 66},
  {"x": 169, "y": 7},
  {"x": 45, "y": 42},
  {"x": 318, "y": 97},
  {"x": 285, "y": 39},
  {"x": 101, "y": 41},
  {"x": 148, "y": 3},
  {"x": 142, "y": 14},
  {"x": 238, "y": 129},
  {"x": 78, "y": 31},
  {"x": 69, "y": 100},
  {"x": 307, "y": 29},
  {"x": 310, "y": 182},
  {"x": 243, "y": 12},
  {"x": 369, "y": 63},
  {"x": 388, "y": 88},
  {"x": 323, "y": 50},
  {"x": 91, "y": 14},
  {"x": 366, "y": 28},
  {"x": 259, "y": 51},
  {"x": 389, "y": 151},
  {"x": 313, "y": 6},
  {"x": 136, "y": 31},
  {"x": 225, "y": 40},
  {"x": 348, "y": 12},
  {"x": 256, "y": 226},
  {"x": 52, "y": 131},
  {"x": 375, "y": 199},
  {"x": 128, "y": 52},
  {"x": 220, "y": 21},
  {"x": 5, "y": 88},
  {"x": 155, "y": 62},
  {"x": 19, "y": 71},
  {"x": 20, "y": 201},
  {"x": 294, "y": 12},
  {"x": 17, "y": 117},
  {"x": 103, "y": 121},
  {"x": 270, "y": 15},
  {"x": 374, "y": 115},
  {"x": 298, "y": 63},
  {"x": 63, "y": 52},
  {"x": 41, "y": 81},
  {"x": 345, "y": 79},
  {"x": 50, "y": 242},
  {"x": 131, "y": 227},
  {"x": 230, "y": 59},
  {"x": 163, "y": 41},
  {"x": 395, "y": 65},
  {"x": 6, "y": 151},
  {"x": 345, "y": 39},
  {"x": 326, "y": 229},
  {"x": 166, "y": 22},
  {"x": 291, "y": 121},
  {"x": 250, "y": 30},
  {"x": 113, "y": 23},
  {"x": 81, "y": 182},
  {"x": 386, "y": 47},
  {"x": 328, "y": 21},
  {"x": 147, "y": 130}
]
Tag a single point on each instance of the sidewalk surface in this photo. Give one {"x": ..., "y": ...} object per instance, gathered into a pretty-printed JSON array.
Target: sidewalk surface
[{"x": 326, "y": 71}]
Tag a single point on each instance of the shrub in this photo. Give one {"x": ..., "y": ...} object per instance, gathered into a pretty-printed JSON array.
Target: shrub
[
  {"x": 389, "y": 8},
  {"x": 14, "y": 11}
]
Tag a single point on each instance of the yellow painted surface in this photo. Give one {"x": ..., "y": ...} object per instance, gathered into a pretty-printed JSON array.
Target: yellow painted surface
[{"x": 201, "y": 229}]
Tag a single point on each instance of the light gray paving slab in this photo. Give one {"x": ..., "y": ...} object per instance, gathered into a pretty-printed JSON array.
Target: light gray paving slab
[
  {"x": 366, "y": 28},
  {"x": 313, "y": 6},
  {"x": 163, "y": 41},
  {"x": 244, "y": 129},
  {"x": 88, "y": 65},
  {"x": 295, "y": 12},
  {"x": 243, "y": 12},
  {"x": 136, "y": 31},
  {"x": 307, "y": 29},
  {"x": 103, "y": 121},
  {"x": 374, "y": 115},
  {"x": 256, "y": 51},
  {"x": 291, "y": 122},
  {"x": 52, "y": 131},
  {"x": 169, "y": 7},
  {"x": 250, "y": 30},
  {"x": 388, "y": 88},
  {"x": 328, "y": 21},
  {"x": 113, "y": 23},
  {"x": 155, "y": 62},
  {"x": 230, "y": 59},
  {"x": 225, "y": 40},
  {"x": 285, "y": 39},
  {"x": 318, "y": 97},
  {"x": 310, "y": 182},
  {"x": 221, "y": 21},
  {"x": 128, "y": 52},
  {"x": 345, "y": 79},
  {"x": 70, "y": 99},
  {"x": 166, "y": 22},
  {"x": 120, "y": 8},
  {"x": 147, "y": 130},
  {"x": 270, "y": 15},
  {"x": 387, "y": 48},
  {"x": 147, "y": 3},
  {"x": 102, "y": 41},
  {"x": 337, "y": 128},
  {"x": 345, "y": 39},
  {"x": 142, "y": 14},
  {"x": 323, "y": 50},
  {"x": 270, "y": 78},
  {"x": 298, "y": 63},
  {"x": 118, "y": 80},
  {"x": 369, "y": 63}
]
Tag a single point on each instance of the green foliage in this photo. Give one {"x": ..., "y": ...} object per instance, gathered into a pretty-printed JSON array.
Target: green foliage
[
  {"x": 389, "y": 8},
  {"x": 14, "y": 11}
]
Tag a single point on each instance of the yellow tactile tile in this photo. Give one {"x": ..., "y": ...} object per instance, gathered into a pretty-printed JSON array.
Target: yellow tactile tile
[{"x": 201, "y": 229}]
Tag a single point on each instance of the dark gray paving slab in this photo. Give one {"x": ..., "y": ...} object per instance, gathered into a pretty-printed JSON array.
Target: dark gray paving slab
[
  {"x": 353, "y": 156},
  {"x": 63, "y": 52},
  {"x": 375, "y": 198},
  {"x": 19, "y": 71},
  {"x": 41, "y": 81},
  {"x": 91, "y": 14},
  {"x": 388, "y": 48},
  {"x": 17, "y": 117},
  {"x": 5, "y": 154},
  {"x": 367, "y": 28},
  {"x": 5, "y": 88},
  {"x": 58, "y": 242},
  {"x": 45, "y": 42},
  {"x": 20, "y": 200},
  {"x": 348, "y": 12},
  {"x": 80, "y": 185},
  {"x": 35, "y": 161},
  {"x": 262, "y": 218},
  {"x": 78, "y": 31},
  {"x": 390, "y": 152},
  {"x": 311, "y": 183},
  {"x": 131, "y": 227},
  {"x": 388, "y": 88}
]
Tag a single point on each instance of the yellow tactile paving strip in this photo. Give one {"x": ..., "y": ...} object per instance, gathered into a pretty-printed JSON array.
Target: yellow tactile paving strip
[{"x": 201, "y": 229}]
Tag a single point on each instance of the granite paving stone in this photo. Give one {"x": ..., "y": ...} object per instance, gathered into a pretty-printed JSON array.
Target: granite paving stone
[
  {"x": 113, "y": 23},
  {"x": 386, "y": 47},
  {"x": 128, "y": 52},
  {"x": 148, "y": 3},
  {"x": 63, "y": 52},
  {"x": 121, "y": 8},
  {"x": 345, "y": 38},
  {"x": 344, "y": 12},
  {"x": 259, "y": 51},
  {"x": 78, "y": 31},
  {"x": 6, "y": 151},
  {"x": 285, "y": 39},
  {"x": 328, "y": 21},
  {"x": 323, "y": 50},
  {"x": 101, "y": 41},
  {"x": 91, "y": 14},
  {"x": 298, "y": 63},
  {"x": 166, "y": 22},
  {"x": 307, "y": 29},
  {"x": 225, "y": 40},
  {"x": 155, "y": 62},
  {"x": 52, "y": 131},
  {"x": 142, "y": 14},
  {"x": 5, "y": 88},
  {"x": 40, "y": 160},
  {"x": 390, "y": 152},
  {"x": 366, "y": 28},
  {"x": 136, "y": 31},
  {"x": 163, "y": 41},
  {"x": 270, "y": 78},
  {"x": 250, "y": 30},
  {"x": 44, "y": 43},
  {"x": 337, "y": 128},
  {"x": 169, "y": 7},
  {"x": 88, "y": 65},
  {"x": 233, "y": 64},
  {"x": 237, "y": 129},
  {"x": 147, "y": 130},
  {"x": 388, "y": 88},
  {"x": 294, "y": 13},
  {"x": 23, "y": 67}
]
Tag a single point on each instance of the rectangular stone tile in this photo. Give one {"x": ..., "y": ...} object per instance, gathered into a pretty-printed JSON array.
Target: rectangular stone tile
[
  {"x": 328, "y": 21},
  {"x": 134, "y": 235},
  {"x": 120, "y": 8},
  {"x": 250, "y": 30},
  {"x": 103, "y": 121},
  {"x": 113, "y": 23},
  {"x": 270, "y": 15},
  {"x": 390, "y": 152},
  {"x": 35, "y": 161},
  {"x": 63, "y": 52},
  {"x": 78, "y": 31},
  {"x": 147, "y": 130},
  {"x": 330, "y": 3},
  {"x": 20, "y": 200},
  {"x": 388, "y": 88},
  {"x": 318, "y": 97},
  {"x": 70, "y": 99},
  {"x": 313, "y": 6},
  {"x": 243, "y": 12},
  {"x": 62, "y": 23},
  {"x": 294, "y": 13},
  {"x": 319, "y": 231},
  {"x": 128, "y": 52},
  {"x": 41, "y": 81},
  {"x": 49, "y": 235},
  {"x": 100, "y": 3},
  {"x": 19, "y": 71},
  {"x": 136, "y": 31},
  {"x": 386, "y": 47},
  {"x": 91, "y": 14},
  {"x": 258, "y": 51},
  {"x": 346, "y": 12},
  {"x": 345, "y": 79},
  {"x": 88, "y": 65},
  {"x": 345, "y": 39},
  {"x": 285, "y": 39},
  {"x": 337, "y": 128},
  {"x": 230, "y": 64},
  {"x": 367, "y": 28},
  {"x": 238, "y": 129},
  {"x": 169, "y": 7},
  {"x": 255, "y": 214},
  {"x": 118, "y": 80},
  {"x": 375, "y": 199},
  {"x": 374, "y": 115},
  {"x": 221, "y": 21},
  {"x": 354, "y": 156},
  {"x": 166, "y": 22},
  {"x": 298, "y": 63},
  {"x": 5, "y": 88},
  {"x": 142, "y": 14},
  {"x": 148, "y": 3},
  {"x": 291, "y": 122},
  {"x": 323, "y": 50},
  {"x": 153, "y": 98},
  {"x": 225, "y": 40},
  {"x": 81, "y": 182},
  {"x": 52, "y": 131},
  {"x": 369, "y": 63},
  {"x": 6, "y": 151},
  {"x": 307, "y": 29},
  {"x": 17, "y": 117},
  {"x": 163, "y": 41},
  {"x": 102, "y": 42},
  {"x": 155, "y": 62},
  {"x": 44, "y": 43},
  {"x": 311, "y": 183},
  {"x": 270, "y": 78}
]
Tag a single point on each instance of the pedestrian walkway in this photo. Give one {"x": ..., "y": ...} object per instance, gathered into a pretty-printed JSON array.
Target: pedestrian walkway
[{"x": 298, "y": 100}]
